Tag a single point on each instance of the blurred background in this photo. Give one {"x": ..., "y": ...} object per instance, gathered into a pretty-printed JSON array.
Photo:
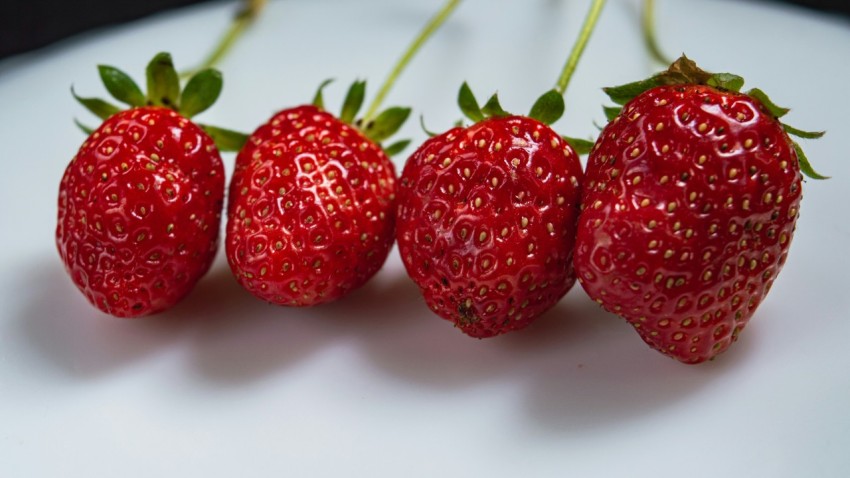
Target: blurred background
[{"x": 33, "y": 24}]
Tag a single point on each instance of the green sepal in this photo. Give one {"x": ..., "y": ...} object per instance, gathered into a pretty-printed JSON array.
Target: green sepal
[
  {"x": 163, "y": 81},
  {"x": 805, "y": 165},
  {"x": 99, "y": 107},
  {"x": 225, "y": 139},
  {"x": 353, "y": 102},
  {"x": 548, "y": 108},
  {"x": 85, "y": 129},
  {"x": 430, "y": 133},
  {"x": 493, "y": 109},
  {"x": 396, "y": 147},
  {"x": 726, "y": 81},
  {"x": 683, "y": 71},
  {"x": 386, "y": 124},
  {"x": 468, "y": 104},
  {"x": 319, "y": 100},
  {"x": 121, "y": 86},
  {"x": 611, "y": 112},
  {"x": 773, "y": 108},
  {"x": 624, "y": 93},
  {"x": 801, "y": 133},
  {"x": 580, "y": 146},
  {"x": 200, "y": 92}
]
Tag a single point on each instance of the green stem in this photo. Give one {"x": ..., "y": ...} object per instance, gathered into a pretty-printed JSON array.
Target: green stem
[
  {"x": 426, "y": 33},
  {"x": 244, "y": 18},
  {"x": 649, "y": 38},
  {"x": 578, "y": 48}
]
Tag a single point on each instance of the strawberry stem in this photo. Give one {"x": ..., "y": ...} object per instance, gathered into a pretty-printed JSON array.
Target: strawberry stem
[
  {"x": 649, "y": 37},
  {"x": 578, "y": 48},
  {"x": 426, "y": 33},
  {"x": 244, "y": 18}
]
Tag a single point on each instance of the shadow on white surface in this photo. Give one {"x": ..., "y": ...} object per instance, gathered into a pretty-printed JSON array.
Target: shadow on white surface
[
  {"x": 73, "y": 338},
  {"x": 605, "y": 374},
  {"x": 240, "y": 338},
  {"x": 576, "y": 368}
]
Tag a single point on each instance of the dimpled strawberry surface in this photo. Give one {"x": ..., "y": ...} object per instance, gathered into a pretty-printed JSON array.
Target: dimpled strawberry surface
[{"x": 486, "y": 222}]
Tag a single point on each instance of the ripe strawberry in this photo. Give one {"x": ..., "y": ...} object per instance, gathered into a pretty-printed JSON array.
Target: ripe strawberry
[
  {"x": 693, "y": 190},
  {"x": 486, "y": 219},
  {"x": 140, "y": 203},
  {"x": 310, "y": 214}
]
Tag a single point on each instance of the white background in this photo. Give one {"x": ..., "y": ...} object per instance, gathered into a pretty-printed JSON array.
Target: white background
[{"x": 376, "y": 385}]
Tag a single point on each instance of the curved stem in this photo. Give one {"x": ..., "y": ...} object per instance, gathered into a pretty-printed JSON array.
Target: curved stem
[
  {"x": 578, "y": 48},
  {"x": 649, "y": 38},
  {"x": 244, "y": 18},
  {"x": 426, "y": 33}
]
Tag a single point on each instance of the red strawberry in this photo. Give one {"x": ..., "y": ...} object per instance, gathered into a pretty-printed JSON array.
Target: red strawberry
[
  {"x": 486, "y": 220},
  {"x": 692, "y": 194},
  {"x": 310, "y": 214},
  {"x": 140, "y": 203}
]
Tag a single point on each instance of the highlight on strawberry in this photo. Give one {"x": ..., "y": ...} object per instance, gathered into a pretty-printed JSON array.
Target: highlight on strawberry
[
  {"x": 487, "y": 212},
  {"x": 692, "y": 195},
  {"x": 311, "y": 211},
  {"x": 140, "y": 203}
]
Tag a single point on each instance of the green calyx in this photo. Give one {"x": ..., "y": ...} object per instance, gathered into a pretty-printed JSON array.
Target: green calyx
[
  {"x": 685, "y": 71},
  {"x": 163, "y": 89},
  {"x": 547, "y": 109},
  {"x": 381, "y": 128}
]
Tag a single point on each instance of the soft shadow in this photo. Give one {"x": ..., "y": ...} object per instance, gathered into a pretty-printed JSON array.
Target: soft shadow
[
  {"x": 613, "y": 376},
  {"x": 431, "y": 352},
  {"x": 240, "y": 338},
  {"x": 69, "y": 336},
  {"x": 244, "y": 339}
]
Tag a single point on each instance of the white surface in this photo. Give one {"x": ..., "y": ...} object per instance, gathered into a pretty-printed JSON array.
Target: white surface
[{"x": 375, "y": 385}]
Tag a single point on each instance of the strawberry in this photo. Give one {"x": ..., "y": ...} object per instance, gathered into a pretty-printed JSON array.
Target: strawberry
[
  {"x": 487, "y": 215},
  {"x": 310, "y": 213},
  {"x": 692, "y": 194},
  {"x": 140, "y": 203}
]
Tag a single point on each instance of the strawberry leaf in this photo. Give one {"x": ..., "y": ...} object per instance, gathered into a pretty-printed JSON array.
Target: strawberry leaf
[
  {"x": 580, "y": 146},
  {"x": 726, "y": 81},
  {"x": 319, "y": 100},
  {"x": 624, "y": 93},
  {"x": 225, "y": 139},
  {"x": 493, "y": 108},
  {"x": 468, "y": 104},
  {"x": 353, "y": 101},
  {"x": 548, "y": 108},
  {"x": 805, "y": 166},
  {"x": 121, "y": 86},
  {"x": 396, "y": 147},
  {"x": 86, "y": 129},
  {"x": 163, "y": 82},
  {"x": 611, "y": 112},
  {"x": 430, "y": 133},
  {"x": 100, "y": 108},
  {"x": 761, "y": 96},
  {"x": 802, "y": 134},
  {"x": 200, "y": 92},
  {"x": 387, "y": 123}
]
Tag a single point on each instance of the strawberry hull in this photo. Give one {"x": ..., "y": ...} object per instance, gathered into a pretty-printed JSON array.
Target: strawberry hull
[
  {"x": 139, "y": 211},
  {"x": 486, "y": 223},
  {"x": 691, "y": 201}
]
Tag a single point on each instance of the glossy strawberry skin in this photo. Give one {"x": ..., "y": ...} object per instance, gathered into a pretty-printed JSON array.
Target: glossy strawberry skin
[
  {"x": 310, "y": 216},
  {"x": 691, "y": 200},
  {"x": 139, "y": 211},
  {"x": 486, "y": 223}
]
